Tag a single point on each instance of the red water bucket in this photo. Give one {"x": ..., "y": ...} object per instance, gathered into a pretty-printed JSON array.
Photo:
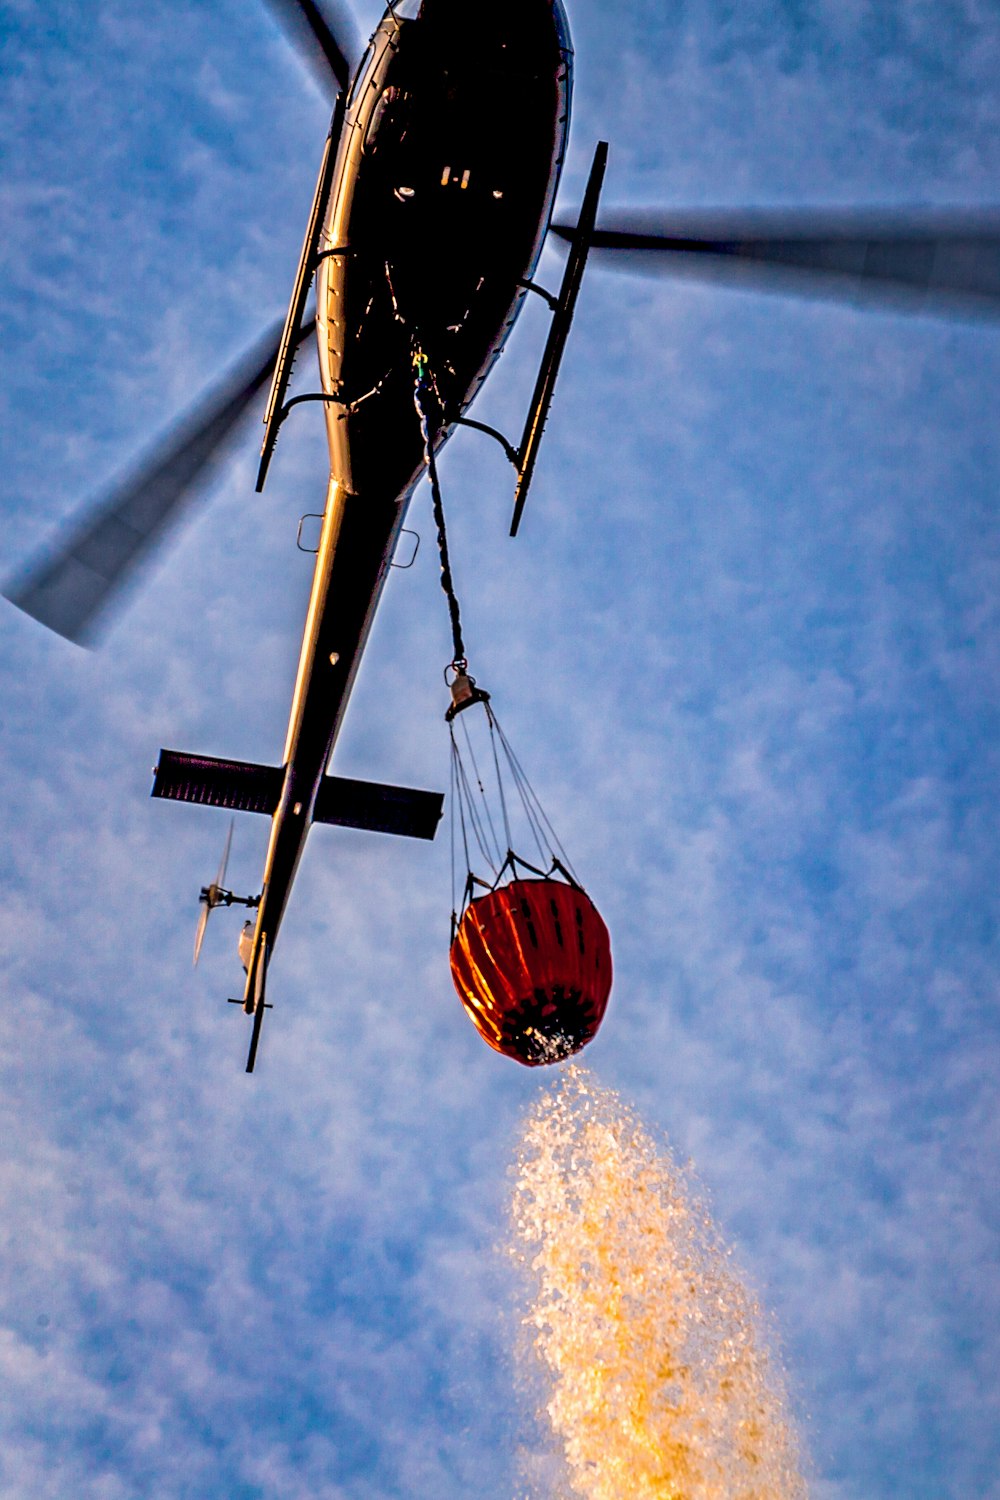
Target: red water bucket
[{"x": 532, "y": 965}]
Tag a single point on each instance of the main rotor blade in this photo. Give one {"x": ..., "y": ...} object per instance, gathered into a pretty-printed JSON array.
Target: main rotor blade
[
  {"x": 69, "y": 585},
  {"x": 328, "y": 50},
  {"x": 947, "y": 259}
]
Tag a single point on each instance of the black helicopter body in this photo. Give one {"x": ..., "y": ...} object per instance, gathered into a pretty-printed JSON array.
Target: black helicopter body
[
  {"x": 434, "y": 197},
  {"x": 440, "y": 198}
]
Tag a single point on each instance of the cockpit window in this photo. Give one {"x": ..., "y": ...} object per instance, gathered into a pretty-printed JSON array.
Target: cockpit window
[
  {"x": 388, "y": 117},
  {"x": 407, "y": 10}
]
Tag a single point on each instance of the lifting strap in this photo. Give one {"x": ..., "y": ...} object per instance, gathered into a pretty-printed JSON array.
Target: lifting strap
[{"x": 425, "y": 399}]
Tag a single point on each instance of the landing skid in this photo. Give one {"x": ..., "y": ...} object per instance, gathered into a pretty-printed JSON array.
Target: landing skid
[
  {"x": 258, "y": 1020},
  {"x": 254, "y": 1004}
]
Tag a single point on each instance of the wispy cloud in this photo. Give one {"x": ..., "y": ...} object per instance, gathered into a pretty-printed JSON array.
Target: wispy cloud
[{"x": 746, "y": 646}]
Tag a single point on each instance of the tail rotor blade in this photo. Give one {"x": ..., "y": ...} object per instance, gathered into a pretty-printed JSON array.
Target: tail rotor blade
[
  {"x": 949, "y": 260},
  {"x": 215, "y": 894},
  {"x": 220, "y": 879},
  {"x": 199, "y": 936}
]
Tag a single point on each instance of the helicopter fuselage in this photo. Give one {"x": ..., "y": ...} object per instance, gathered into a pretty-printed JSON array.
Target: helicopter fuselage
[{"x": 446, "y": 167}]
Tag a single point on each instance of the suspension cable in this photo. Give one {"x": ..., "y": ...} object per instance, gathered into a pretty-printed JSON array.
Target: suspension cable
[
  {"x": 459, "y": 800},
  {"x": 480, "y": 824},
  {"x": 470, "y": 815},
  {"x": 482, "y": 792},
  {"x": 471, "y": 820},
  {"x": 496, "y": 767},
  {"x": 529, "y": 795},
  {"x": 454, "y": 893}
]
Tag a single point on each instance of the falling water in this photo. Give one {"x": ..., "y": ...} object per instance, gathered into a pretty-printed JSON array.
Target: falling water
[{"x": 657, "y": 1380}]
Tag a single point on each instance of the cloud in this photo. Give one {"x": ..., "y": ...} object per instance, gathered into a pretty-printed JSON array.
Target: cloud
[{"x": 745, "y": 646}]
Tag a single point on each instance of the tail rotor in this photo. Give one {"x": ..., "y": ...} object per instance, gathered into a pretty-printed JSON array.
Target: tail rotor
[{"x": 214, "y": 895}]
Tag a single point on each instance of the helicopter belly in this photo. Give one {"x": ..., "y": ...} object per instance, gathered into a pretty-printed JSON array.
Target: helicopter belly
[{"x": 441, "y": 197}]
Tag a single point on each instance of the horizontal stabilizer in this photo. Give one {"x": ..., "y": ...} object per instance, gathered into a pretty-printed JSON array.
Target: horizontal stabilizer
[
  {"x": 236, "y": 784},
  {"x": 383, "y": 809},
  {"x": 243, "y": 786}
]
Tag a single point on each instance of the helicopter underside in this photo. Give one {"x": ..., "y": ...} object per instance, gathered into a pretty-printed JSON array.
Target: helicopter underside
[
  {"x": 449, "y": 159},
  {"x": 440, "y": 199}
]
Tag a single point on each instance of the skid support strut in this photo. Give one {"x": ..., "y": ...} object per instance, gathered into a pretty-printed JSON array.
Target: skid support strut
[
  {"x": 523, "y": 457},
  {"x": 559, "y": 332}
]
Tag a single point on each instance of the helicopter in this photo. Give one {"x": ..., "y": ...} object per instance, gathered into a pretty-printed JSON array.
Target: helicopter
[{"x": 431, "y": 207}]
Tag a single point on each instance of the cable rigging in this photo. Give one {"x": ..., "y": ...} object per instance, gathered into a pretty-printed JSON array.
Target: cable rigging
[{"x": 530, "y": 954}]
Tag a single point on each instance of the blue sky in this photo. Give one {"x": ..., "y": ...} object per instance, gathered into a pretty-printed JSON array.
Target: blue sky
[{"x": 747, "y": 647}]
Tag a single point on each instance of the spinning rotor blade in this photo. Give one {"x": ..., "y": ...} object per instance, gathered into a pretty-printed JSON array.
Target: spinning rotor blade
[
  {"x": 199, "y": 936},
  {"x": 220, "y": 879},
  {"x": 326, "y": 50},
  {"x": 949, "y": 260},
  {"x": 68, "y": 587},
  {"x": 209, "y": 898}
]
